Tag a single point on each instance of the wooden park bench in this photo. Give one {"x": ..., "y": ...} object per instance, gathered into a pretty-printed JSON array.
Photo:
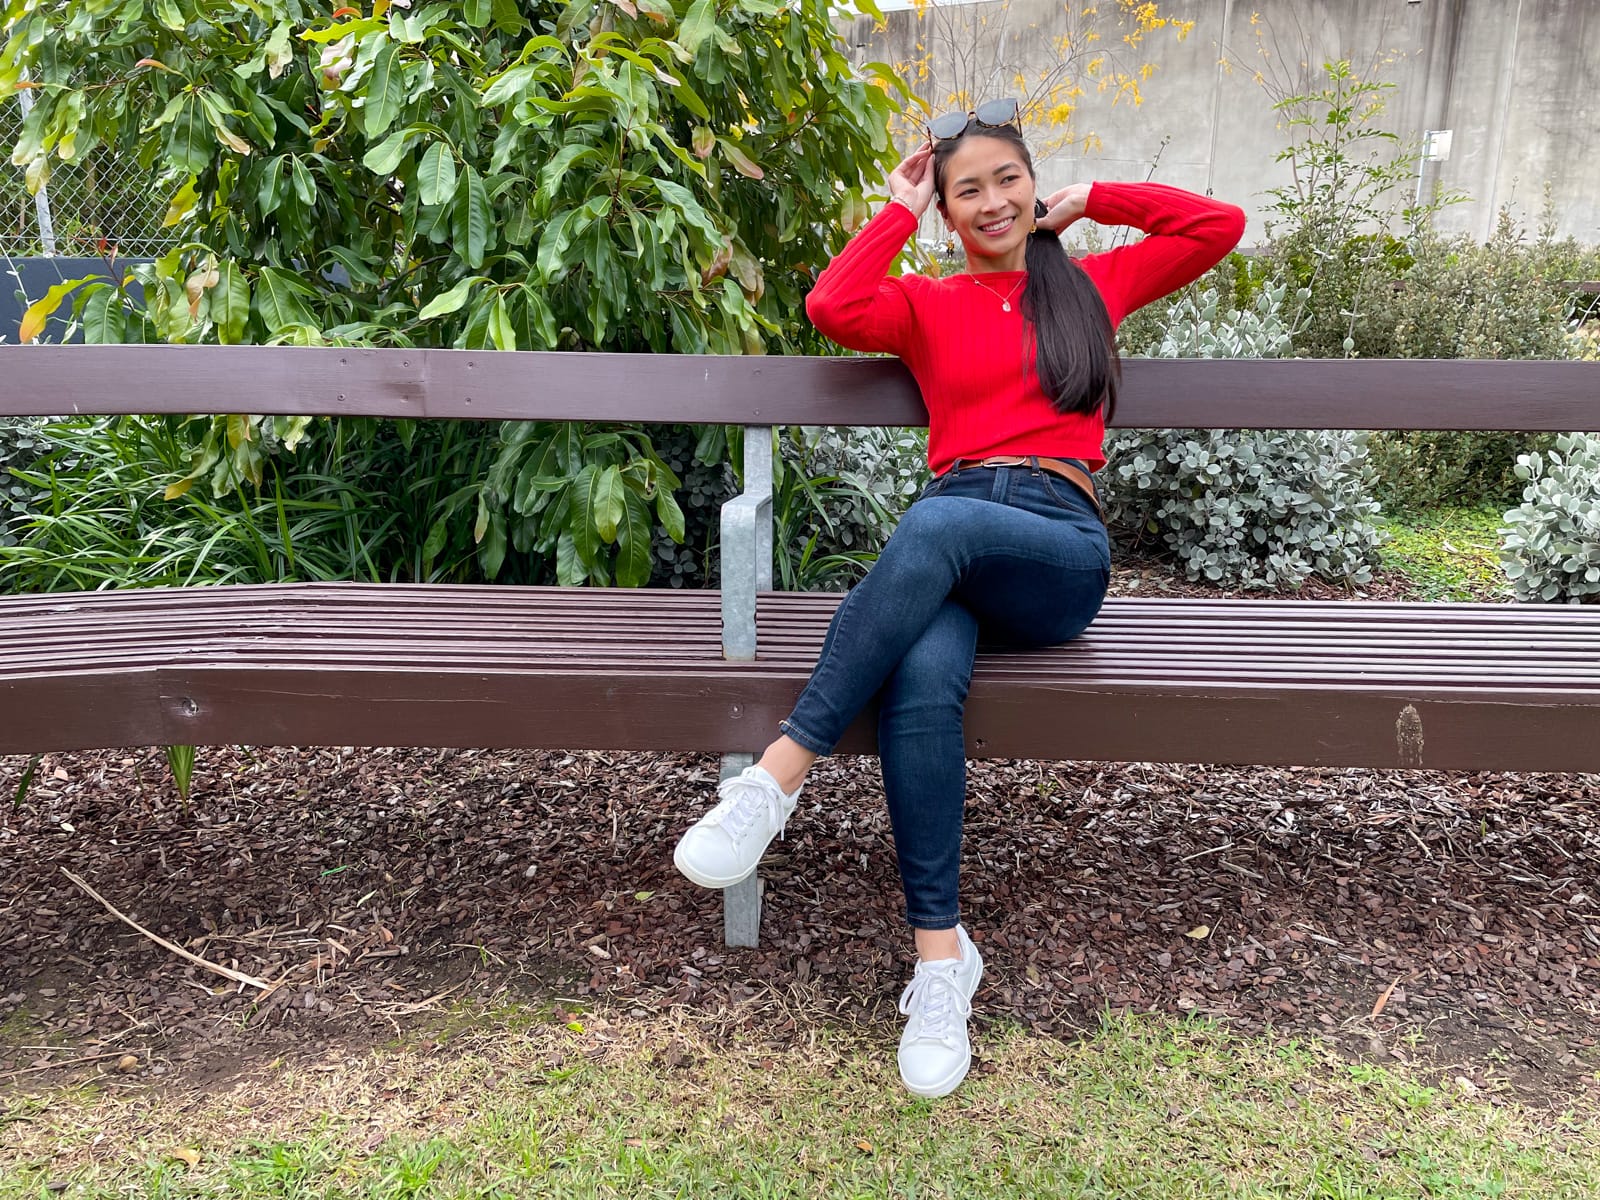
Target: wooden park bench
[{"x": 1438, "y": 685}]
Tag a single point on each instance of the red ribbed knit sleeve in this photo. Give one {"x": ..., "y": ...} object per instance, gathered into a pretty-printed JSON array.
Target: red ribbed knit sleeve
[
  {"x": 1188, "y": 234},
  {"x": 856, "y": 302}
]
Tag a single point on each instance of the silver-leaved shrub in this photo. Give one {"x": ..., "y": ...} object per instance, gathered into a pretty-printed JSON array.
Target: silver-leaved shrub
[
  {"x": 1252, "y": 508},
  {"x": 1550, "y": 545}
]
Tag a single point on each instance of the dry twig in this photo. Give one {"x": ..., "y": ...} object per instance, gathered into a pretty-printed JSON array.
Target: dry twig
[{"x": 225, "y": 972}]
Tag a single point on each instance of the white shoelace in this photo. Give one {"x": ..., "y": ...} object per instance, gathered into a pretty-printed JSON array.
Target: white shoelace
[
  {"x": 742, "y": 801},
  {"x": 938, "y": 992}
]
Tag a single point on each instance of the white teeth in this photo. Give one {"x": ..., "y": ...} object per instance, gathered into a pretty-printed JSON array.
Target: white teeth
[{"x": 997, "y": 226}]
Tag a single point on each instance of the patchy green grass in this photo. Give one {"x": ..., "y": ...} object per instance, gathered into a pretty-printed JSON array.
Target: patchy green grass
[
  {"x": 632, "y": 1107},
  {"x": 1447, "y": 553}
]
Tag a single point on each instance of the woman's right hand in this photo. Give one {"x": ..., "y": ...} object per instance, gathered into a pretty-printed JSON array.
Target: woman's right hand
[{"x": 912, "y": 180}]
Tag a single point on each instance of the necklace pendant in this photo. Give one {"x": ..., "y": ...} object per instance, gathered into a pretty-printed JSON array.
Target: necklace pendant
[{"x": 1005, "y": 306}]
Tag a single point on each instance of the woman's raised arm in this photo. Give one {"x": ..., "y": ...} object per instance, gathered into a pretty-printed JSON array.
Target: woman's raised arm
[
  {"x": 1187, "y": 235},
  {"x": 856, "y": 302}
]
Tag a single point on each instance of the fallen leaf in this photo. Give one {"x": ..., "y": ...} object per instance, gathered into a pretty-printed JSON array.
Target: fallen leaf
[
  {"x": 1384, "y": 999},
  {"x": 1199, "y": 932},
  {"x": 187, "y": 1154},
  {"x": 864, "y": 1147}
]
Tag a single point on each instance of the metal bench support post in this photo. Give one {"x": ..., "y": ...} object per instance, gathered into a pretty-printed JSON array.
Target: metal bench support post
[{"x": 746, "y": 570}]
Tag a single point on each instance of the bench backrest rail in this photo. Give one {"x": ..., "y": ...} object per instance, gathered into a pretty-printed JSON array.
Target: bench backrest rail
[{"x": 776, "y": 390}]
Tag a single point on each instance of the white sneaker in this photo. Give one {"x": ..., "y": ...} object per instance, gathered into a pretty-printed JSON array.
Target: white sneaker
[
  {"x": 934, "y": 1050},
  {"x": 724, "y": 846}
]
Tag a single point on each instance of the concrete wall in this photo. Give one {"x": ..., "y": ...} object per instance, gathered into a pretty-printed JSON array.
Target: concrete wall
[{"x": 1517, "y": 81}]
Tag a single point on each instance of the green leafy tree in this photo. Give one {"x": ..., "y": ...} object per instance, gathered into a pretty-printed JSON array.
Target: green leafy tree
[{"x": 627, "y": 175}]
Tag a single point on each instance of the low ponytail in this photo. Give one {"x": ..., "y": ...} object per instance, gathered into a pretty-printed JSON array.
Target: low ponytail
[{"x": 1075, "y": 349}]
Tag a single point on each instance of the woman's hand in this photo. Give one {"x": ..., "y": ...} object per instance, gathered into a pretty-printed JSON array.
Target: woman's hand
[
  {"x": 1066, "y": 206},
  {"x": 912, "y": 180}
]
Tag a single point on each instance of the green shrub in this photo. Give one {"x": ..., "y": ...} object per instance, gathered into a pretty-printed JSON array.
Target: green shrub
[
  {"x": 1551, "y": 541},
  {"x": 22, "y": 444},
  {"x": 1459, "y": 299},
  {"x": 1261, "y": 509},
  {"x": 838, "y": 495},
  {"x": 354, "y": 502},
  {"x": 1419, "y": 469}
]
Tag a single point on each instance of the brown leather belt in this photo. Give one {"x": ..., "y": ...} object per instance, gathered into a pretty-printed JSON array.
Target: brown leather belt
[{"x": 1071, "y": 472}]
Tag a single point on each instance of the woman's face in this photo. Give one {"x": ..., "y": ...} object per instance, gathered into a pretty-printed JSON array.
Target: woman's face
[{"x": 988, "y": 200}]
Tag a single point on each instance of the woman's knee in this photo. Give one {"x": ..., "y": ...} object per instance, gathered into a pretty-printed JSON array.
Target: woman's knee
[{"x": 937, "y": 670}]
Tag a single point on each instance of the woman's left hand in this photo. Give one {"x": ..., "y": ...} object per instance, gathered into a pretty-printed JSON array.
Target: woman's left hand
[{"x": 1066, "y": 206}]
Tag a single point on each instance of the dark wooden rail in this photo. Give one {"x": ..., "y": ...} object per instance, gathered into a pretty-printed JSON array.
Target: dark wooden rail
[
  {"x": 753, "y": 390},
  {"x": 1250, "y": 681}
]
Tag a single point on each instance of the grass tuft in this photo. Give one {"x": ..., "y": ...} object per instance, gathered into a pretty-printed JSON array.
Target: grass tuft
[{"x": 1447, "y": 553}]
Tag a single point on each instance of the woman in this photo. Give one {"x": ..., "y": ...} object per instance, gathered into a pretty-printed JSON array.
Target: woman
[{"x": 1018, "y": 368}]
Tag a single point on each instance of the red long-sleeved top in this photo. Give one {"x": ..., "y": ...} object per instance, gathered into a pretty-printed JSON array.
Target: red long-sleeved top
[{"x": 967, "y": 354}]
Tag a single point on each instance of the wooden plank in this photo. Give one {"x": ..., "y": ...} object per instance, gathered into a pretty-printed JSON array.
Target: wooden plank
[
  {"x": 738, "y": 710},
  {"x": 759, "y": 390}
]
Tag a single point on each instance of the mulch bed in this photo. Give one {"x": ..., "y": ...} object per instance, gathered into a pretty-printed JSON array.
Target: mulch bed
[{"x": 1452, "y": 916}]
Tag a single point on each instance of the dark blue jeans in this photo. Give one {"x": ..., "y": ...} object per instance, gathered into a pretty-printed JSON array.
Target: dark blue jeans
[{"x": 1012, "y": 556}]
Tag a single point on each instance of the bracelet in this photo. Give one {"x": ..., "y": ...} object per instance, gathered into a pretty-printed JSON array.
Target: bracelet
[{"x": 902, "y": 200}]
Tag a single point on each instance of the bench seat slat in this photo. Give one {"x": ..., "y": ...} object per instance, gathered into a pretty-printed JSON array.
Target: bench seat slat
[
  {"x": 1372, "y": 683},
  {"x": 1080, "y": 661}
]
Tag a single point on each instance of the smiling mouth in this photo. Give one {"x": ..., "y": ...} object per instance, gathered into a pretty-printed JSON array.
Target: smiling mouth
[{"x": 997, "y": 227}]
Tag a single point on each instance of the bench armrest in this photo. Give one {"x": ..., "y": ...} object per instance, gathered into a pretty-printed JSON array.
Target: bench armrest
[{"x": 747, "y": 547}]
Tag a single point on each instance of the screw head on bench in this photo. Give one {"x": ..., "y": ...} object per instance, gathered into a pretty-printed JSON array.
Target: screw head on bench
[{"x": 189, "y": 706}]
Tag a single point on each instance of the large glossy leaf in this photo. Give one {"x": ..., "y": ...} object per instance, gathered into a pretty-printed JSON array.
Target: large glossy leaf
[
  {"x": 190, "y": 140},
  {"x": 698, "y": 24},
  {"x": 570, "y": 571},
  {"x": 104, "y": 317},
  {"x": 436, "y": 177},
  {"x": 501, "y": 331},
  {"x": 33, "y": 320},
  {"x": 472, "y": 217},
  {"x": 670, "y": 515},
  {"x": 581, "y": 515},
  {"x": 386, "y": 155},
  {"x": 633, "y": 541},
  {"x": 450, "y": 301},
  {"x": 230, "y": 303},
  {"x": 279, "y": 300},
  {"x": 385, "y": 91},
  {"x": 551, "y": 174},
  {"x": 608, "y": 503}
]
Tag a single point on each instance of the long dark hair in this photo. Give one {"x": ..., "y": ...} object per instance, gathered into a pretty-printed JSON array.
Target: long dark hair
[{"x": 1074, "y": 346}]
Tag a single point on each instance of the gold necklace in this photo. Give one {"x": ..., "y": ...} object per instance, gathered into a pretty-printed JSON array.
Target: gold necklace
[{"x": 1005, "y": 301}]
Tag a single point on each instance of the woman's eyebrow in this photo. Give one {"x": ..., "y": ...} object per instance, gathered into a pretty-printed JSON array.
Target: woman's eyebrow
[{"x": 1010, "y": 166}]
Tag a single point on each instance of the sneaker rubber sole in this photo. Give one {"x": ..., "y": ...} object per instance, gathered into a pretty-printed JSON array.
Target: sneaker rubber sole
[{"x": 704, "y": 880}]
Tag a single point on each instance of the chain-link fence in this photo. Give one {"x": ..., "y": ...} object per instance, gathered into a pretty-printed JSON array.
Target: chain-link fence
[{"x": 104, "y": 200}]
